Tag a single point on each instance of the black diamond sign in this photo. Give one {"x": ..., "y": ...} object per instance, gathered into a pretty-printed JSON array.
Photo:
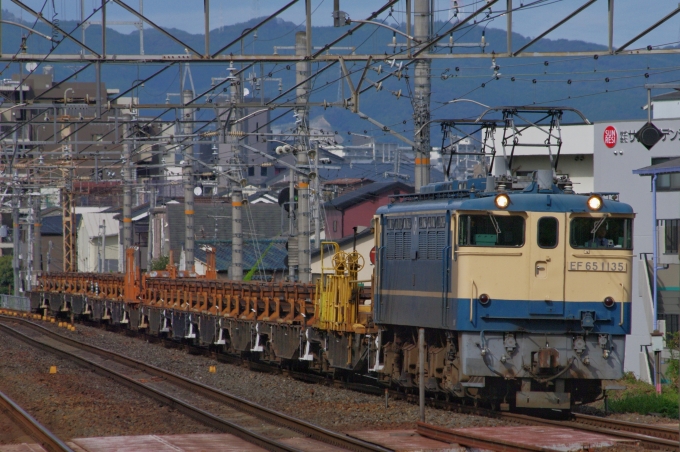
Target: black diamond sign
[{"x": 649, "y": 135}]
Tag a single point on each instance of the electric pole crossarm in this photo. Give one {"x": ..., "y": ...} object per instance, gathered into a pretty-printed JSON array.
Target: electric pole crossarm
[
  {"x": 384, "y": 128},
  {"x": 39, "y": 16},
  {"x": 558, "y": 24},
  {"x": 432, "y": 42},
  {"x": 247, "y": 31},
  {"x": 661, "y": 21},
  {"x": 157, "y": 27}
]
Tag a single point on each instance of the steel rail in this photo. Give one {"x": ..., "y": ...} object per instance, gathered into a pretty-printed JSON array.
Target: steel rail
[
  {"x": 608, "y": 428},
  {"x": 464, "y": 439},
  {"x": 274, "y": 417},
  {"x": 30, "y": 425},
  {"x": 657, "y": 431}
]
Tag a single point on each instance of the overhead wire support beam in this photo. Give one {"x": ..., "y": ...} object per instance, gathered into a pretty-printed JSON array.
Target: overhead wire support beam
[
  {"x": 558, "y": 24},
  {"x": 254, "y": 27},
  {"x": 651, "y": 28},
  {"x": 157, "y": 27},
  {"x": 438, "y": 38},
  {"x": 54, "y": 26},
  {"x": 353, "y": 29}
]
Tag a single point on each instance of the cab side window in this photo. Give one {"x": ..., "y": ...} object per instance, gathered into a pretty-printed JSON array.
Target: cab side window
[{"x": 548, "y": 232}]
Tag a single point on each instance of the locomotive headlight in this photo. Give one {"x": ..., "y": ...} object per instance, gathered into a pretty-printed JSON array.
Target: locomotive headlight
[
  {"x": 595, "y": 202},
  {"x": 484, "y": 299},
  {"x": 609, "y": 302},
  {"x": 502, "y": 201}
]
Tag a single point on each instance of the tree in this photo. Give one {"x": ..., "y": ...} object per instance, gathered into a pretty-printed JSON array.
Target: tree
[{"x": 6, "y": 274}]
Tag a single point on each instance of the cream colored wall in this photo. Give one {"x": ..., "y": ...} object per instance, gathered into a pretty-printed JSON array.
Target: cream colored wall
[
  {"x": 495, "y": 271},
  {"x": 509, "y": 271},
  {"x": 364, "y": 246}
]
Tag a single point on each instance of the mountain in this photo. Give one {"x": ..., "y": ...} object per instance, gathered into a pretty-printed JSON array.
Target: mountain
[{"x": 603, "y": 88}]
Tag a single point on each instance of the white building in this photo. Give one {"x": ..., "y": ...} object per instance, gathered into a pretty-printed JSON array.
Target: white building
[{"x": 91, "y": 228}]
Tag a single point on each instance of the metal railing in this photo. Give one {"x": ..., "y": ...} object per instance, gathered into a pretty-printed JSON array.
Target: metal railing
[{"x": 15, "y": 303}]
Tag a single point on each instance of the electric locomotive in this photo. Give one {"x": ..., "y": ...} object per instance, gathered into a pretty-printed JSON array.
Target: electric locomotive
[{"x": 522, "y": 287}]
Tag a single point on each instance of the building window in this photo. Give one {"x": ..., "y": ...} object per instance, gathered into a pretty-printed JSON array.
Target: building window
[
  {"x": 251, "y": 171},
  {"x": 672, "y": 232},
  {"x": 335, "y": 225},
  {"x": 666, "y": 182},
  {"x": 263, "y": 171}
]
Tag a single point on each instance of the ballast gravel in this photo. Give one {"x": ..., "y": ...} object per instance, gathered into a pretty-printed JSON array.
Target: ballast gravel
[
  {"x": 75, "y": 402},
  {"x": 332, "y": 408}
]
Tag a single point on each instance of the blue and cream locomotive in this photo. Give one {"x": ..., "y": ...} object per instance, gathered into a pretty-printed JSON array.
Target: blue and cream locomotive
[{"x": 523, "y": 289}]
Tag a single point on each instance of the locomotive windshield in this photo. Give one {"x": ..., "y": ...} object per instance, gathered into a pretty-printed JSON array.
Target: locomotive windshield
[
  {"x": 602, "y": 232},
  {"x": 491, "y": 230}
]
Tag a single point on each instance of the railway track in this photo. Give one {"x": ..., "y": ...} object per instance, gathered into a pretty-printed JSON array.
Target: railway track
[
  {"x": 651, "y": 436},
  {"x": 656, "y": 437},
  {"x": 224, "y": 412},
  {"x": 31, "y": 426},
  {"x": 656, "y": 431}
]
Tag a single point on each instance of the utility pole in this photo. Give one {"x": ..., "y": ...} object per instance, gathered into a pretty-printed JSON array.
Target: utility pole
[
  {"x": 15, "y": 237},
  {"x": 188, "y": 173},
  {"x": 127, "y": 189},
  {"x": 150, "y": 239},
  {"x": 422, "y": 91},
  {"x": 236, "y": 270},
  {"x": 317, "y": 198},
  {"x": 302, "y": 70},
  {"x": 29, "y": 245},
  {"x": 37, "y": 237},
  {"x": 102, "y": 245}
]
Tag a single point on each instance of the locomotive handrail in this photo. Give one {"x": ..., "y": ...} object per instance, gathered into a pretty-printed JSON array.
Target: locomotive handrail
[
  {"x": 472, "y": 296},
  {"x": 623, "y": 300}
]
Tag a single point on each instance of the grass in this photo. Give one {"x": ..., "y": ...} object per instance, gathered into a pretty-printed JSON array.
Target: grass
[
  {"x": 665, "y": 404},
  {"x": 640, "y": 397}
]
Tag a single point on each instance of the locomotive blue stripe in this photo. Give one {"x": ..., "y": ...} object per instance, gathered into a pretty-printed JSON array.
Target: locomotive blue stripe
[{"x": 501, "y": 315}]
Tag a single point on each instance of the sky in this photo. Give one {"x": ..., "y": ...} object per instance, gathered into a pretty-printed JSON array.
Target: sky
[{"x": 630, "y": 16}]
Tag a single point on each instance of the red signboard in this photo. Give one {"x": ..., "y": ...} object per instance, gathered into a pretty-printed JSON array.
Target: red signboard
[{"x": 610, "y": 136}]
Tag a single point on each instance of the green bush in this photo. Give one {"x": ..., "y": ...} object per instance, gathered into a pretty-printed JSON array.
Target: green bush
[
  {"x": 160, "y": 263},
  {"x": 665, "y": 404}
]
